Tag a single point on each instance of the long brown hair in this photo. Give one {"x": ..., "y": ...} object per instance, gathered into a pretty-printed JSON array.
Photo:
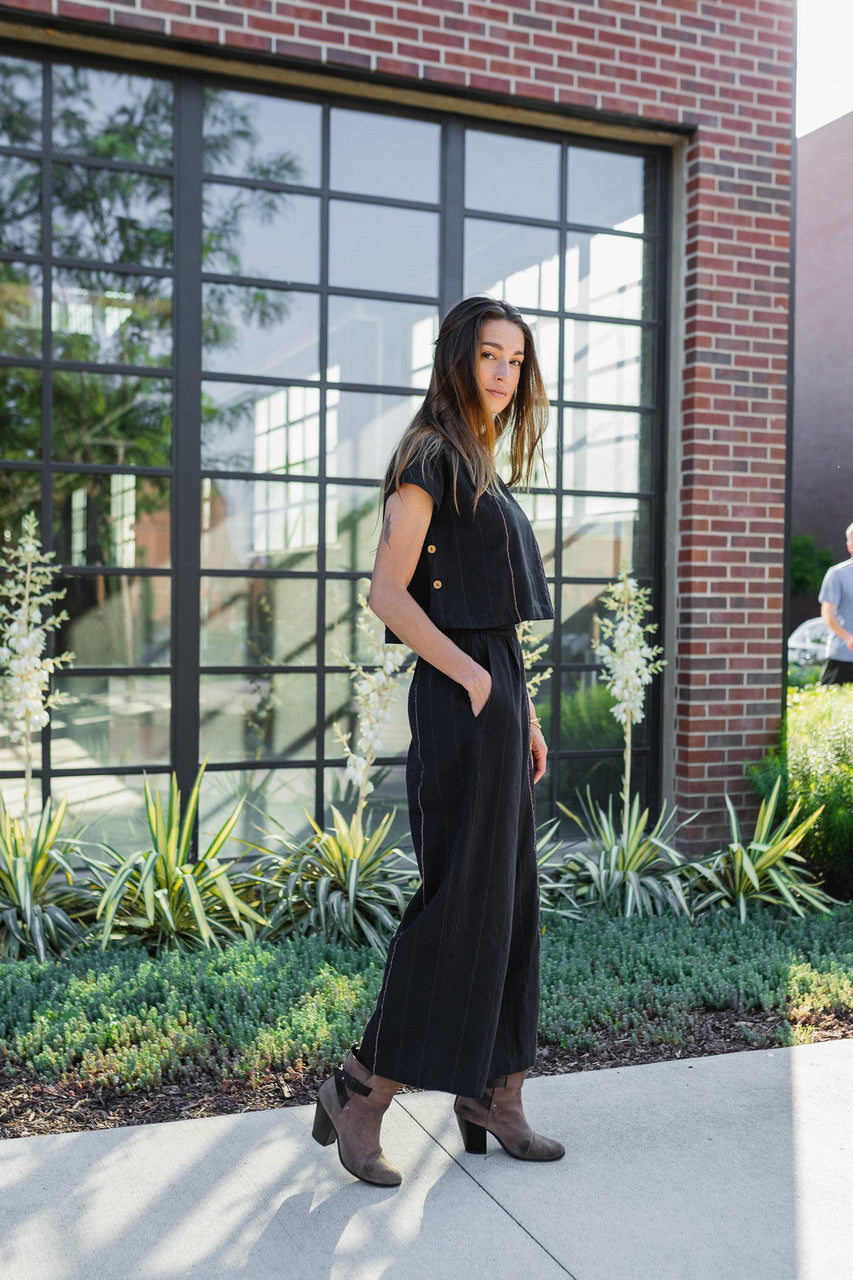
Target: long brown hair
[{"x": 454, "y": 411}]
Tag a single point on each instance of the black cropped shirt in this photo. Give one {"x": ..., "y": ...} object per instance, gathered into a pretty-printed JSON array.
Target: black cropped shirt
[{"x": 478, "y": 568}]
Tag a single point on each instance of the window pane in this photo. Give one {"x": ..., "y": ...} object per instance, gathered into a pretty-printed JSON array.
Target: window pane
[
  {"x": 394, "y": 733},
  {"x": 116, "y": 520},
  {"x": 113, "y": 721},
  {"x": 345, "y": 639},
  {"x": 586, "y": 720},
  {"x": 541, "y": 510},
  {"x": 112, "y": 419},
  {"x": 579, "y": 603},
  {"x": 380, "y": 248},
  {"x": 604, "y": 276},
  {"x": 20, "y": 492},
  {"x": 260, "y": 524},
  {"x": 260, "y": 331},
  {"x": 511, "y": 175},
  {"x": 606, "y": 449},
  {"x": 255, "y": 428},
  {"x": 384, "y": 343},
  {"x": 112, "y": 319},
  {"x": 20, "y": 205},
  {"x": 384, "y": 156},
  {"x": 599, "y": 534},
  {"x": 251, "y": 135},
  {"x": 112, "y": 806},
  {"x": 112, "y": 115},
  {"x": 117, "y": 621},
  {"x": 20, "y": 310},
  {"x": 603, "y": 777},
  {"x": 352, "y": 527},
  {"x": 249, "y": 622},
  {"x": 20, "y": 413},
  {"x": 252, "y": 232},
  {"x": 511, "y": 261},
  {"x": 603, "y": 362},
  {"x": 362, "y": 429},
  {"x": 606, "y": 189},
  {"x": 546, "y": 340},
  {"x": 256, "y": 717},
  {"x": 20, "y": 102},
  {"x": 282, "y": 794},
  {"x": 112, "y": 215}
]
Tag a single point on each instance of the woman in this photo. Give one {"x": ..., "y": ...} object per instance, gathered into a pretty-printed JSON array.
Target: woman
[{"x": 456, "y": 570}]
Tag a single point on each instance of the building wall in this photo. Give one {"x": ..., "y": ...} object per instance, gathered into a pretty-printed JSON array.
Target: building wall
[
  {"x": 721, "y": 71},
  {"x": 823, "y": 373}
]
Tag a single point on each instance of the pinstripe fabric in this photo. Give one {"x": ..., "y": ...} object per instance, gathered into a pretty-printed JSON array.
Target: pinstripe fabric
[{"x": 460, "y": 996}]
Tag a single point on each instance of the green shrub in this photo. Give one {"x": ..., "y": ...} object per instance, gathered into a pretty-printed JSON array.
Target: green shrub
[
  {"x": 808, "y": 562},
  {"x": 816, "y": 769}
]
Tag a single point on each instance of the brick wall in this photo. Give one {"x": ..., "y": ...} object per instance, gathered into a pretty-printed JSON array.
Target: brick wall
[{"x": 726, "y": 70}]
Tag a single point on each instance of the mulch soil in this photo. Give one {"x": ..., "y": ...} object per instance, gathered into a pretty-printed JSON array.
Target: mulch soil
[{"x": 32, "y": 1107}]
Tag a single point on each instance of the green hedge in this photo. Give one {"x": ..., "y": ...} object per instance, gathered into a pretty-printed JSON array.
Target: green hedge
[{"x": 124, "y": 1020}]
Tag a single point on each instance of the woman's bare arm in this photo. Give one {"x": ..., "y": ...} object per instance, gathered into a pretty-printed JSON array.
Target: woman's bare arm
[{"x": 405, "y": 523}]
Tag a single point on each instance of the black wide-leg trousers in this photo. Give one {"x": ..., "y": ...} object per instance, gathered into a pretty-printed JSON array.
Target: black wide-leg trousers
[{"x": 459, "y": 1002}]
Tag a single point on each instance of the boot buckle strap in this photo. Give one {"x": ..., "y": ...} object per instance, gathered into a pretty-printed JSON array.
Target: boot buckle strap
[{"x": 344, "y": 1081}]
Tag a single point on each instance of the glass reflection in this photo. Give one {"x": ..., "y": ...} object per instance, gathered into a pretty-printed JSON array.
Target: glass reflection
[
  {"x": 20, "y": 413},
  {"x": 603, "y": 777},
  {"x": 117, "y": 620},
  {"x": 112, "y": 319},
  {"x": 258, "y": 622},
  {"x": 20, "y": 102},
  {"x": 249, "y": 231},
  {"x": 511, "y": 175},
  {"x": 586, "y": 720},
  {"x": 361, "y": 430},
  {"x": 253, "y": 135},
  {"x": 258, "y": 717},
  {"x": 20, "y": 492},
  {"x": 546, "y": 338},
  {"x": 118, "y": 520},
  {"x": 112, "y": 115},
  {"x": 541, "y": 511},
  {"x": 606, "y": 189},
  {"x": 599, "y": 534},
  {"x": 112, "y": 418},
  {"x": 260, "y": 331},
  {"x": 579, "y": 604},
  {"x": 345, "y": 640},
  {"x": 384, "y": 343},
  {"x": 519, "y": 264},
  {"x": 604, "y": 276},
  {"x": 395, "y": 732},
  {"x": 606, "y": 449},
  {"x": 114, "y": 720},
  {"x": 381, "y": 155},
  {"x": 112, "y": 215},
  {"x": 603, "y": 362},
  {"x": 112, "y": 806},
  {"x": 20, "y": 205},
  {"x": 260, "y": 524},
  {"x": 284, "y": 793},
  {"x": 256, "y": 428},
  {"x": 20, "y": 310},
  {"x": 375, "y": 247},
  {"x": 352, "y": 527}
]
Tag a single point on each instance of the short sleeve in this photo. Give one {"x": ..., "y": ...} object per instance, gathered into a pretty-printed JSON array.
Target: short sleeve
[
  {"x": 830, "y": 592},
  {"x": 429, "y": 474}
]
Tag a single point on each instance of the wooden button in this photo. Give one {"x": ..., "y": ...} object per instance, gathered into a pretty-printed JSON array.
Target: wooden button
[
  {"x": 437, "y": 584},
  {"x": 431, "y": 549}
]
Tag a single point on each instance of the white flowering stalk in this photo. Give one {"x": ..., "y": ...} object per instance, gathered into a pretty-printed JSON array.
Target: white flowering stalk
[
  {"x": 628, "y": 660},
  {"x": 531, "y": 652},
  {"x": 26, "y": 619},
  {"x": 374, "y": 686}
]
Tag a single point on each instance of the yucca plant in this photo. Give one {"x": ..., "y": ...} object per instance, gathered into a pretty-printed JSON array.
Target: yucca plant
[
  {"x": 40, "y": 913},
  {"x": 767, "y": 869},
  {"x": 160, "y": 897},
  {"x": 343, "y": 883},
  {"x": 625, "y": 870},
  {"x": 555, "y": 896}
]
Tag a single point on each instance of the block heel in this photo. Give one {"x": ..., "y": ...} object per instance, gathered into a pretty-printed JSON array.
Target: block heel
[
  {"x": 473, "y": 1136},
  {"x": 323, "y": 1131}
]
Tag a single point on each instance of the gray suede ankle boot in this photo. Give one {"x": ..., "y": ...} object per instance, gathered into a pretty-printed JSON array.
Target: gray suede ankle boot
[
  {"x": 350, "y": 1107},
  {"x": 500, "y": 1112}
]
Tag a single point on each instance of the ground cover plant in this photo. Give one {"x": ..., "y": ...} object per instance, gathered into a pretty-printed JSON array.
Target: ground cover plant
[{"x": 100, "y": 1038}]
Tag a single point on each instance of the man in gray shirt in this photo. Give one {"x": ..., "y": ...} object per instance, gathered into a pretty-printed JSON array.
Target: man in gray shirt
[{"x": 836, "y": 609}]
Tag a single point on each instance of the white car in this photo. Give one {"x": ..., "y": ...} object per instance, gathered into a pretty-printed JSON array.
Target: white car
[{"x": 807, "y": 643}]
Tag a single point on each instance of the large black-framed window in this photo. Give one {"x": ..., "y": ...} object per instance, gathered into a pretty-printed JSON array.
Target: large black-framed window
[{"x": 217, "y": 305}]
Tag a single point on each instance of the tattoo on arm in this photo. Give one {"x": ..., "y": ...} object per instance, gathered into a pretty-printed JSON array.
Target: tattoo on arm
[{"x": 386, "y": 530}]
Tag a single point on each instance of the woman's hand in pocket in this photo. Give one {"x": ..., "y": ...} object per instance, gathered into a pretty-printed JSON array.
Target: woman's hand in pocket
[{"x": 479, "y": 688}]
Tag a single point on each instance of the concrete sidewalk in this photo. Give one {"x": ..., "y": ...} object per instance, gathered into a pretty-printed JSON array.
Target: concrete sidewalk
[{"x": 737, "y": 1167}]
